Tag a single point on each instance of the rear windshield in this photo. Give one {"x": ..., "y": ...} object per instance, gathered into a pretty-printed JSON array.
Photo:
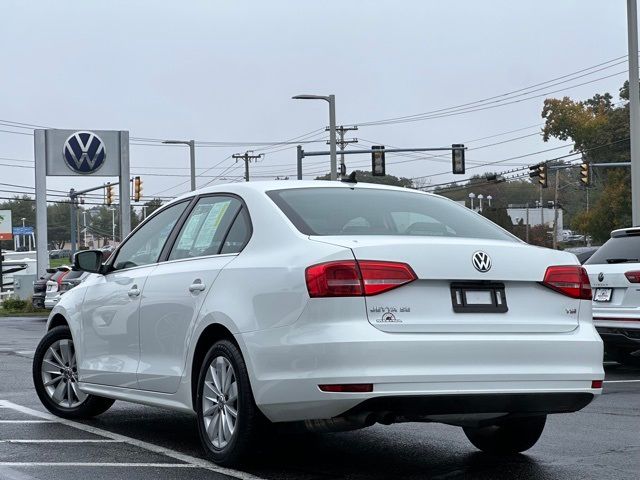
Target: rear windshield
[
  {"x": 365, "y": 211},
  {"x": 617, "y": 250}
]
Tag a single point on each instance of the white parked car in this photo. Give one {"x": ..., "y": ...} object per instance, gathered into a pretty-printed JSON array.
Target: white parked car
[
  {"x": 614, "y": 271},
  {"x": 328, "y": 305}
]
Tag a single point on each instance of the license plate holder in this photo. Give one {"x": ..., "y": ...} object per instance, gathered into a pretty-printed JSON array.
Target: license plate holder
[
  {"x": 602, "y": 294},
  {"x": 485, "y": 297}
]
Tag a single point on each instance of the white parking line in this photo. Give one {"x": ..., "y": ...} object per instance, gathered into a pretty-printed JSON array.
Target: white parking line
[
  {"x": 622, "y": 381},
  {"x": 193, "y": 462},
  {"x": 27, "y": 421},
  {"x": 46, "y": 440},
  {"x": 94, "y": 464}
]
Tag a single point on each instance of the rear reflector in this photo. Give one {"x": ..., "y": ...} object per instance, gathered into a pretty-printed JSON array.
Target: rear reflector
[
  {"x": 352, "y": 278},
  {"x": 596, "y": 384},
  {"x": 633, "y": 276},
  {"x": 348, "y": 387},
  {"x": 570, "y": 280}
]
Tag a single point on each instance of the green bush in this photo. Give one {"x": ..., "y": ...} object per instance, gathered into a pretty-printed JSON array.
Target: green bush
[{"x": 13, "y": 303}]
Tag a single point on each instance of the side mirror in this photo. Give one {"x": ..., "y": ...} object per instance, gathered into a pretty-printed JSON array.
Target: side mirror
[{"x": 88, "y": 261}]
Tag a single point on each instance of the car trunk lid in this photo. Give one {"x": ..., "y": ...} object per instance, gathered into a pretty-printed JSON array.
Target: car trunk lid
[{"x": 444, "y": 264}]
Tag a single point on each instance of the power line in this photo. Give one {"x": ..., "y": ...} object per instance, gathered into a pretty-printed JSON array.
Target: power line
[{"x": 501, "y": 97}]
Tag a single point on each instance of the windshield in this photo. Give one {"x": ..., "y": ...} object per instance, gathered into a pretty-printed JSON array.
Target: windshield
[
  {"x": 365, "y": 211},
  {"x": 617, "y": 250}
]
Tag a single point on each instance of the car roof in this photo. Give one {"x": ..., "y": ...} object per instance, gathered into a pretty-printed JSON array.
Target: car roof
[
  {"x": 625, "y": 232},
  {"x": 265, "y": 186}
]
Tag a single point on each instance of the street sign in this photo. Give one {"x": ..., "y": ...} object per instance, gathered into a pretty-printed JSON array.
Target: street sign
[
  {"x": 83, "y": 152},
  {"x": 5, "y": 225},
  {"x": 23, "y": 230}
]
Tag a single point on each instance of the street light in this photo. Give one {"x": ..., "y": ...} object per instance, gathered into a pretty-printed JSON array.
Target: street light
[
  {"x": 192, "y": 154},
  {"x": 480, "y": 197},
  {"x": 332, "y": 127},
  {"x": 489, "y": 198},
  {"x": 471, "y": 197},
  {"x": 113, "y": 225}
]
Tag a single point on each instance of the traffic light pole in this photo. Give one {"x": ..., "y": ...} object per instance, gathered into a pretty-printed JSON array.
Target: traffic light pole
[
  {"x": 73, "y": 204},
  {"x": 302, "y": 153}
]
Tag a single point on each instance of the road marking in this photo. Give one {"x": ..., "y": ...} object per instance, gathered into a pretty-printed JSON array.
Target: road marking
[
  {"x": 46, "y": 440},
  {"x": 27, "y": 421},
  {"x": 97, "y": 464},
  {"x": 193, "y": 461},
  {"x": 621, "y": 381}
]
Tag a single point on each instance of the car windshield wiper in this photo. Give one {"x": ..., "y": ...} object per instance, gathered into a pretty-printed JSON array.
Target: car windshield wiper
[{"x": 621, "y": 260}]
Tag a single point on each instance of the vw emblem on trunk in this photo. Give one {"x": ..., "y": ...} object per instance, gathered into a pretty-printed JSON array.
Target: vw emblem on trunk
[
  {"x": 600, "y": 276},
  {"x": 84, "y": 152},
  {"x": 481, "y": 261}
]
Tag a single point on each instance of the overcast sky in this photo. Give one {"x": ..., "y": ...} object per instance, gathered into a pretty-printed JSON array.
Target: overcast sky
[{"x": 225, "y": 71}]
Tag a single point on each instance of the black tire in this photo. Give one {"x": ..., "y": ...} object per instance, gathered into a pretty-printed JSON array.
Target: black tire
[
  {"x": 249, "y": 421},
  {"x": 509, "y": 437},
  {"x": 87, "y": 407}
]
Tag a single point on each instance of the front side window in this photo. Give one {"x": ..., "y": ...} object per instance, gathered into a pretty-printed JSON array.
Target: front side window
[
  {"x": 204, "y": 231},
  {"x": 369, "y": 211},
  {"x": 145, "y": 245}
]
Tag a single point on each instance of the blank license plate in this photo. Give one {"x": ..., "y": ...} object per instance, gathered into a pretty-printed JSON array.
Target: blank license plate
[
  {"x": 602, "y": 295},
  {"x": 485, "y": 297}
]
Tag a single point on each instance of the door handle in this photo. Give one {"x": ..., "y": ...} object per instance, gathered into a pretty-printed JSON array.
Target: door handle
[
  {"x": 197, "y": 286},
  {"x": 134, "y": 291}
]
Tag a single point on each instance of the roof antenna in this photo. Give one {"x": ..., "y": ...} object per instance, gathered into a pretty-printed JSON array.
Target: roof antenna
[{"x": 351, "y": 178}]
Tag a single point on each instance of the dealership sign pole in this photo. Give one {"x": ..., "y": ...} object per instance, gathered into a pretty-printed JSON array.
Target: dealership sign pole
[{"x": 93, "y": 153}]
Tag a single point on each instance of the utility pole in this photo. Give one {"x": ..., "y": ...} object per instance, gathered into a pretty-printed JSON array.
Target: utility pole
[
  {"x": 541, "y": 208},
  {"x": 634, "y": 109},
  {"x": 74, "y": 217},
  {"x": 555, "y": 212},
  {"x": 526, "y": 234},
  {"x": 341, "y": 130},
  {"x": 247, "y": 157}
]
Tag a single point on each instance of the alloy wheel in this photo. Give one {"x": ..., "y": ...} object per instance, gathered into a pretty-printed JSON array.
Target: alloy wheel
[
  {"x": 220, "y": 402},
  {"x": 60, "y": 374}
]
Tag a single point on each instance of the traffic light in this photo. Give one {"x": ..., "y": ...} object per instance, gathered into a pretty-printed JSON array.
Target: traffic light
[
  {"x": 457, "y": 158},
  {"x": 542, "y": 175},
  {"x": 109, "y": 194},
  {"x": 378, "y": 161},
  {"x": 585, "y": 173},
  {"x": 137, "y": 189}
]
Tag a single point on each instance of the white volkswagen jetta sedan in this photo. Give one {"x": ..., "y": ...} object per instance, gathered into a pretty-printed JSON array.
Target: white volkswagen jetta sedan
[{"x": 330, "y": 306}]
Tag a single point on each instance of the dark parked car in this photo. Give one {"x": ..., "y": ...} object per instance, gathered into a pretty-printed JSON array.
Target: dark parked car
[
  {"x": 40, "y": 288},
  {"x": 583, "y": 253}
]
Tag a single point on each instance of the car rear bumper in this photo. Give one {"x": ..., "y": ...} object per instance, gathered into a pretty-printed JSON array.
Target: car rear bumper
[
  {"x": 287, "y": 365},
  {"x": 618, "y": 331}
]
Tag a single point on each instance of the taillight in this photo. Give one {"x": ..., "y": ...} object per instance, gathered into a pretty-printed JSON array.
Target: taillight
[
  {"x": 61, "y": 277},
  {"x": 633, "y": 276},
  {"x": 570, "y": 280},
  {"x": 351, "y": 278}
]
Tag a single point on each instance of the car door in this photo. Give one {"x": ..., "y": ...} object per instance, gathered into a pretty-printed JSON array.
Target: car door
[
  {"x": 216, "y": 229},
  {"x": 109, "y": 350}
]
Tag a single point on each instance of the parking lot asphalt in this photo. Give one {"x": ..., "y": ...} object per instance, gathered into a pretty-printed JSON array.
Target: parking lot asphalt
[{"x": 136, "y": 442}]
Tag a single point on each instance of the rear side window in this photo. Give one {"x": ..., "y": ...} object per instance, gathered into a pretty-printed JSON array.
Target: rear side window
[
  {"x": 368, "y": 211},
  {"x": 204, "y": 231},
  {"x": 239, "y": 234},
  {"x": 617, "y": 250}
]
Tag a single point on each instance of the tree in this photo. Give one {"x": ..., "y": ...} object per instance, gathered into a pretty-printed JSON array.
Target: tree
[
  {"x": 599, "y": 130},
  {"x": 152, "y": 205},
  {"x": 59, "y": 224},
  {"x": 364, "y": 176}
]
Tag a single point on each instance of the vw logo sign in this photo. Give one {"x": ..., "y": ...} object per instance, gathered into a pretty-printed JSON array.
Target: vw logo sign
[
  {"x": 84, "y": 152},
  {"x": 481, "y": 261},
  {"x": 600, "y": 276}
]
